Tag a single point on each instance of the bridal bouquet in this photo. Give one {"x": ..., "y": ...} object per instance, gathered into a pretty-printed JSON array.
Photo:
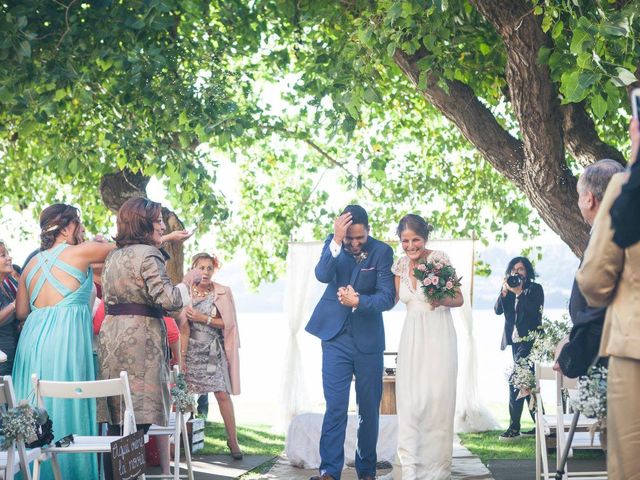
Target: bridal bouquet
[{"x": 437, "y": 278}]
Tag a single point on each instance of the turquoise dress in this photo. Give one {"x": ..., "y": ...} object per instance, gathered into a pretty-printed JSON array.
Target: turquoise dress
[{"x": 55, "y": 343}]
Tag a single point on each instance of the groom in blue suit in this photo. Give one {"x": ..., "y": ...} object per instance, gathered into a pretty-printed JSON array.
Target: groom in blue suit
[{"x": 348, "y": 320}]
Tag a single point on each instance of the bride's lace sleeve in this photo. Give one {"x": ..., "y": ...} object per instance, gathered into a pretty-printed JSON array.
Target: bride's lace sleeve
[
  {"x": 441, "y": 256},
  {"x": 398, "y": 266}
]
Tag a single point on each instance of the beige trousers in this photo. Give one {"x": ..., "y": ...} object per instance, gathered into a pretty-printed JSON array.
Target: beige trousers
[{"x": 623, "y": 419}]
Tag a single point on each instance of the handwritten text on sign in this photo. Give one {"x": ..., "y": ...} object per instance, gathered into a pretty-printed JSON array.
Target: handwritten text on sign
[{"x": 127, "y": 456}]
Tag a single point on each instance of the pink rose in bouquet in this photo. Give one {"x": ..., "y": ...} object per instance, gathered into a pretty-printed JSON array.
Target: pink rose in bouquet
[{"x": 438, "y": 279}]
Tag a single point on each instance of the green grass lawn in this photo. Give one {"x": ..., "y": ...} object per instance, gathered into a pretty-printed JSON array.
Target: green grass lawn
[
  {"x": 254, "y": 440},
  {"x": 487, "y": 446}
]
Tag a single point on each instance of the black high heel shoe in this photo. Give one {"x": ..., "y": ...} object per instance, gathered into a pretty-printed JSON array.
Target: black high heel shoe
[{"x": 237, "y": 455}]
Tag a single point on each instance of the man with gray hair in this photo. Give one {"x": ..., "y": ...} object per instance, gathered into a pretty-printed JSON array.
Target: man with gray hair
[{"x": 584, "y": 340}]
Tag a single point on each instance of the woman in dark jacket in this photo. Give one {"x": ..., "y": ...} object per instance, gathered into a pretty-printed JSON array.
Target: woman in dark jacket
[{"x": 521, "y": 301}]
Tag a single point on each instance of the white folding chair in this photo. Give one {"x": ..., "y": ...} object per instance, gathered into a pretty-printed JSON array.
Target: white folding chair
[
  {"x": 559, "y": 423},
  {"x": 177, "y": 427},
  {"x": 90, "y": 389},
  {"x": 17, "y": 458}
]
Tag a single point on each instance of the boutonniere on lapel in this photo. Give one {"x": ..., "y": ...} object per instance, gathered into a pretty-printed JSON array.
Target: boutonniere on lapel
[{"x": 361, "y": 257}]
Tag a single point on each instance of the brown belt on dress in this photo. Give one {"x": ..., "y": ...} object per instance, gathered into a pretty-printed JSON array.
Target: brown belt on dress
[{"x": 135, "y": 309}]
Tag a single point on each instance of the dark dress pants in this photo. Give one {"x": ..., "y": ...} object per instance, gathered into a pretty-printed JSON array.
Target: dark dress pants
[
  {"x": 341, "y": 360},
  {"x": 519, "y": 350}
]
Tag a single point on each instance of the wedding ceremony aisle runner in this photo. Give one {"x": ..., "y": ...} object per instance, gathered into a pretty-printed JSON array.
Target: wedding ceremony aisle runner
[{"x": 466, "y": 466}]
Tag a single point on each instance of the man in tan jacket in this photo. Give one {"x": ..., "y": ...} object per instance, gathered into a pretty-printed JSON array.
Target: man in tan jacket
[{"x": 610, "y": 276}]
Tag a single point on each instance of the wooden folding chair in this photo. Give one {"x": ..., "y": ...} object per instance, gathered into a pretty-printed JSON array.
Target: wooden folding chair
[
  {"x": 177, "y": 427},
  {"x": 90, "y": 389},
  {"x": 17, "y": 458}
]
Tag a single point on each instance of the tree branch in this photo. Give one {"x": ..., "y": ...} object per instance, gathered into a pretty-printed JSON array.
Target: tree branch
[
  {"x": 471, "y": 116},
  {"x": 548, "y": 182},
  {"x": 581, "y": 138},
  {"x": 332, "y": 160},
  {"x": 66, "y": 20}
]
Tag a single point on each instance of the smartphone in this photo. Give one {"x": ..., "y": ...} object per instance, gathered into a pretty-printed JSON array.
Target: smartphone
[{"x": 635, "y": 102}]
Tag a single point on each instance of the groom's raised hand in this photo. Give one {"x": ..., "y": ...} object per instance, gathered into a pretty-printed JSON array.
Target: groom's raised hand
[{"x": 340, "y": 227}]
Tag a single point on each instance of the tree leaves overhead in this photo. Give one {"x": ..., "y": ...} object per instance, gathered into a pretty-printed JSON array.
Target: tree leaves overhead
[
  {"x": 294, "y": 93},
  {"x": 90, "y": 88}
]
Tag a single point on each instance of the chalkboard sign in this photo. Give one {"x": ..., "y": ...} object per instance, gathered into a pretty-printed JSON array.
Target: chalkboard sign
[{"x": 127, "y": 456}]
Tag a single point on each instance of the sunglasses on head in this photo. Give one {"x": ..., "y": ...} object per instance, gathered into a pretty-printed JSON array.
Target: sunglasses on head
[{"x": 65, "y": 441}]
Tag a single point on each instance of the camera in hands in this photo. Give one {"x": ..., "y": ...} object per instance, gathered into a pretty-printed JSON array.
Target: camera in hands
[{"x": 514, "y": 281}]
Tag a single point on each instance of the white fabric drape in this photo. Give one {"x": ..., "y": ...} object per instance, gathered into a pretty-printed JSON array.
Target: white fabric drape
[
  {"x": 299, "y": 293},
  {"x": 471, "y": 415},
  {"x": 302, "y": 386}
]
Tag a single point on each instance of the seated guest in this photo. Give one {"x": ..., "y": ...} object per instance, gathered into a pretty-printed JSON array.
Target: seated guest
[
  {"x": 8, "y": 325},
  {"x": 210, "y": 341},
  {"x": 610, "y": 277},
  {"x": 136, "y": 291},
  {"x": 584, "y": 341}
]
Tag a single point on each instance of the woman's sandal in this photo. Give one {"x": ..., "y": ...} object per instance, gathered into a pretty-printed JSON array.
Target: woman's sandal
[{"x": 237, "y": 455}]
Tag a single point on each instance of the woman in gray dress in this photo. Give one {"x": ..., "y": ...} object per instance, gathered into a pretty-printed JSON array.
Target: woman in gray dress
[{"x": 210, "y": 341}]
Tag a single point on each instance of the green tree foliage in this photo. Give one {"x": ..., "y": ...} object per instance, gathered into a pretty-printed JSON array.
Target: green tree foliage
[
  {"x": 89, "y": 88},
  {"x": 475, "y": 113}
]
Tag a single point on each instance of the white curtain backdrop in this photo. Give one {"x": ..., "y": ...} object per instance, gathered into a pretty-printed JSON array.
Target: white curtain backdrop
[
  {"x": 302, "y": 386},
  {"x": 298, "y": 298}
]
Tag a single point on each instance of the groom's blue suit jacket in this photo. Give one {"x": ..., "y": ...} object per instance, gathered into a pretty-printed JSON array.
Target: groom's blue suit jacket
[{"x": 371, "y": 278}]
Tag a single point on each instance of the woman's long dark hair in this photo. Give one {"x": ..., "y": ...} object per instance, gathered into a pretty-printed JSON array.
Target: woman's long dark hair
[{"x": 531, "y": 273}]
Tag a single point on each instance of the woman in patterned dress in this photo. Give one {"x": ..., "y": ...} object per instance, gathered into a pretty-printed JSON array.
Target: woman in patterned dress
[
  {"x": 210, "y": 341},
  {"x": 136, "y": 291}
]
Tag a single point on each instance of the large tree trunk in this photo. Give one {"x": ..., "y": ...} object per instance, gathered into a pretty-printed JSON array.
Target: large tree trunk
[
  {"x": 536, "y": 164},
  {"x": 116, "y": 188}
]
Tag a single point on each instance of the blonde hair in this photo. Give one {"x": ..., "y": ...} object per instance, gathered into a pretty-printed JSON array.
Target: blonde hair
[{"x": 205, "y": 256}]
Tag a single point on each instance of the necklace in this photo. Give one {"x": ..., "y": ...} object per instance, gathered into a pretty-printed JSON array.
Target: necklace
[{"x": 198, "y": 293}]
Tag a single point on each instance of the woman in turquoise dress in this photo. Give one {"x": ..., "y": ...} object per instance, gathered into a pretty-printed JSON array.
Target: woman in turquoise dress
[{"x": 55, "y": 342}]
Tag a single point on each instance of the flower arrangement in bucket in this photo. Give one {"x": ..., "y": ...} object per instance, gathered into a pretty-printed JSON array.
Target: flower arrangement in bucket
[
  {"x": 592, "y": 399},
  {"x": 437, "y": 277},
  {"x": 182, "y": 397},
  {"x": 27, "y": 423}
]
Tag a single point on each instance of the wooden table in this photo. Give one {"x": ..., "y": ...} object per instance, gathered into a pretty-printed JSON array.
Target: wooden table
[{"x": 388, "y": 403}]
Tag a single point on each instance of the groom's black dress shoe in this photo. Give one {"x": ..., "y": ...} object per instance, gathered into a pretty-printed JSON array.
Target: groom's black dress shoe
[
  {"x": 324, "y": 476},
  {"x": 368, "y": 477}
]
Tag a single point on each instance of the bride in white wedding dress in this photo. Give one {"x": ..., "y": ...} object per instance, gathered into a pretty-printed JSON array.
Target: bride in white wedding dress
[{"x": 427, "y": 365}]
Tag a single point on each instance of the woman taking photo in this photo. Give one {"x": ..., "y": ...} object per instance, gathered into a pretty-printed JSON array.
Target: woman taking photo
[
  {"x": 521, "y": 301},
  {"x": 210, "y": 341}
]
